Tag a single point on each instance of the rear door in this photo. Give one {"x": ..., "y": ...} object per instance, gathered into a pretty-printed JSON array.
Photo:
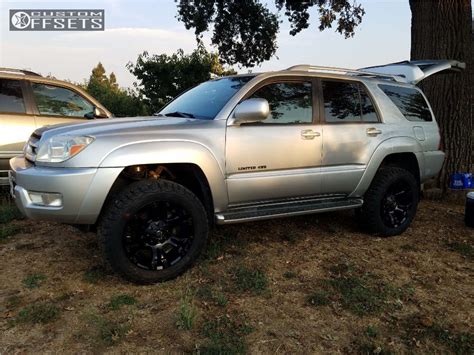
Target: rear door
[
  {"x": 351, "y": 132},
  {"x": 54, "y": 104}
]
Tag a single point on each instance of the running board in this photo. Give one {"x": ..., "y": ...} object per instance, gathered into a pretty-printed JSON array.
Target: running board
[{"x": 279, "y": 210}]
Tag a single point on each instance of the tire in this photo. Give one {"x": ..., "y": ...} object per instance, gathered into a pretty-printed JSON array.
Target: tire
[
  {"x": 387, "y": 211},
  {"x": 153, "y": 231}
]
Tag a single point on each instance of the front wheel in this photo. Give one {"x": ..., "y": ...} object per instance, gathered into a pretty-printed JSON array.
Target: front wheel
[
  {"x": 153, "y": 231},
  {"x": 390, "y": 203}
]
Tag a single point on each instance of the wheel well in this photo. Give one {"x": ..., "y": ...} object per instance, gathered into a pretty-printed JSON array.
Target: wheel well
[
  {"x": 189, "y": 175},
  {"x": 405, "y": 161}
]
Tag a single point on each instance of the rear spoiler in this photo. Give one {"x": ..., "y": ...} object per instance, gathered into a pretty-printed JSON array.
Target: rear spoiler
[{"x": 414, "y": 71}]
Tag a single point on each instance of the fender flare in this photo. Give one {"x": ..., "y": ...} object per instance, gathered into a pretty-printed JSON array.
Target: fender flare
[
  {"x": 389, "y": 146},
  {"x": 174, "y": 151}
]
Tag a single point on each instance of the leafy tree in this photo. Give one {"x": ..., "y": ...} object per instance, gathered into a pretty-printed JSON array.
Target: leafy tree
[
  {"x": 118, "y": 101},
  {"x": 244, "y": 31},
  {"x": 163, "y": 77}
]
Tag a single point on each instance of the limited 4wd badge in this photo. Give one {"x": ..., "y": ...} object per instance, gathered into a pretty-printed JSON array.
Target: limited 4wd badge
[{"x": 259, "y": 167}]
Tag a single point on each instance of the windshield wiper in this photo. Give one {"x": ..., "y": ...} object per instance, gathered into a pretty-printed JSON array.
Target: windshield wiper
[{"x": 179, "y": 114}]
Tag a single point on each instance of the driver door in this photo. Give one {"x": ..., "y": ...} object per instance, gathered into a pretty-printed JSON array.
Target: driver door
[{"x": 279, "y": 157}]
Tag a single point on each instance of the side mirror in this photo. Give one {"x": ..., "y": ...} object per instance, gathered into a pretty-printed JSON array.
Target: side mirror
[
  {"x": 251, "y": 110},
  {"x": 97, "y": 112}
]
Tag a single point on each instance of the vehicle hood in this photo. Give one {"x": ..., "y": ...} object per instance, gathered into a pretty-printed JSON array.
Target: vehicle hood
[{"x": 116, "y": 126}]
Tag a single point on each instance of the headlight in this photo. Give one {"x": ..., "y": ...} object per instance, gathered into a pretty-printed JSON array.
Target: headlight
[{"x": 60, "y": 148}]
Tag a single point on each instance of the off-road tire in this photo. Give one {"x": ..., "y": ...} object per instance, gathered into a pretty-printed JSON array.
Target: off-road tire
[
  {"x": 112, "y": 224},
  {"x": 370, "y": 214}
]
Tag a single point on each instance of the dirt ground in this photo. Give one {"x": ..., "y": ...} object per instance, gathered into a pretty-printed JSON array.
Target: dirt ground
[{"x": 312, "y": 284}]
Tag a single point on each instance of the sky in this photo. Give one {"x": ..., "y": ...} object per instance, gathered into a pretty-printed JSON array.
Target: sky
[{"x": 132, "y": 26}]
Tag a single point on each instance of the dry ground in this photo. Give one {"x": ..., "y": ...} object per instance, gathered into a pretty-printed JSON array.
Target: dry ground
[{"x": 312, "y": 284}]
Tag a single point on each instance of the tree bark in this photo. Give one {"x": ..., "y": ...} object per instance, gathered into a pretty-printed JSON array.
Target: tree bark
[{"x": 442, "y": 29}]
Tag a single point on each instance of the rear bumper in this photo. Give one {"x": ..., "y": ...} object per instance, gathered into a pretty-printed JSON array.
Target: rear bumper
[
  {"x": 433, "y": 162},
  {"x": 83, "y": 190}
]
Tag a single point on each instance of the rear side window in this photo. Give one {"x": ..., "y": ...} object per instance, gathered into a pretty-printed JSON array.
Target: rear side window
[
  {"x": 11, "y": 96},
  {"x": 346, "y": 102},
  {"x": 410, "y": 102}
]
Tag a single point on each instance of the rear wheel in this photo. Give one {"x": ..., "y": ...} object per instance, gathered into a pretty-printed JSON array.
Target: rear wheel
[
  {"x": 390, "y": 203},
  {"x": 153, "y": 231}
]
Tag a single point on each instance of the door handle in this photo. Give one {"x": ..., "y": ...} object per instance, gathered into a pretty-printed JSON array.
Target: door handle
[
  {"x": 309, "y": 134},
  {"x": 373, "y": 132}
]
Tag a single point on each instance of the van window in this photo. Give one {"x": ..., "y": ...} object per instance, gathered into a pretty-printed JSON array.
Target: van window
[
  {"x": 11, "y": 96},
  {"x": 346, "y": 102},
  {"x": 410, "y": 102}
]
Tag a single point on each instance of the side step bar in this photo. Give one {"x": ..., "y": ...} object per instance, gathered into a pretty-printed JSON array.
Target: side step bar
[{"x": 279, "y": 210}]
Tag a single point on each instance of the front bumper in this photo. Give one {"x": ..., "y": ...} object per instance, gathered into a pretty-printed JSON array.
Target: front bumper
[{"x": 83, "y": 190}]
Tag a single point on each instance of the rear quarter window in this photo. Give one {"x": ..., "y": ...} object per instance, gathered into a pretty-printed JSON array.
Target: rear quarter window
[{"x": 410, "y": 102}]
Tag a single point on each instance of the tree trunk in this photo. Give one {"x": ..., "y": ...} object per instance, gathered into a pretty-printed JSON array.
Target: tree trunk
[{"x": 441, "y": 29}]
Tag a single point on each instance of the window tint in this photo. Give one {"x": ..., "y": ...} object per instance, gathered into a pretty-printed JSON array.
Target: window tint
[
  {"x": 207, "y": 99},
  {"x": 289, "y": 102},
  {"x": 410, "y": 102},
  {"x": 347, "y": 102},
  {"x": 11, "y": 96},
  {"x": 58, "y": 101}
]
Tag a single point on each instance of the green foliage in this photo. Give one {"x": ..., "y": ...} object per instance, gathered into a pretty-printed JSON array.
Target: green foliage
[
  {"x": 119, "y": 101},
  {"x": 462, "y": 248},
  {"x": 9, "y": 212},
  {"x": 102, "y": 330},
  {"x": 251, "y": 279},
  {"x": 225, "y": 337},
  {"x": 33, "y": 281},
  {"x": 8, "y": 231},
  {"x": 163, "y": 77},
  {"x": 208, "y": 294},
  {"x": 118, "y": 301},
  {"x": 38, "y": 313},
  {"x": 245, "y": 32},
  {"x": 319, "y": 298},
  {"x": 187, "y": 313},
  {"x": 94, "y": 275}
]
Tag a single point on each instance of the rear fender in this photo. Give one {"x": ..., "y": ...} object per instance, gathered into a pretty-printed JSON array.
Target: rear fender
[{"x": 387, "y": 147}]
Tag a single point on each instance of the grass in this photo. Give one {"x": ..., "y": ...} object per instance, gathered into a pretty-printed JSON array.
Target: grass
[
  {"x": 13, "y": 302},
  {"x": 465, "y": 249},
  {"x": 7, "y": 231},
  {"x": 187, "y": 312},
  {"x": 102, "y": 331},
  {"x": 211, "y": 295},
  {"x": 94, "y": 275},
  {"x": 9, "y": 212},
  {"x": 371, "y": 331},
  {"x": 251, "y": 280},
  {"x": 290, "y": 274},
  {"x": 116, "y": 302},
  {"x": 35, "y": 313},
  {"x": 224, "y": 337},
  {"x": 318, "y": 298},
  {"x": 33, "y": 281},
  {"x": 443, "y": 336}
]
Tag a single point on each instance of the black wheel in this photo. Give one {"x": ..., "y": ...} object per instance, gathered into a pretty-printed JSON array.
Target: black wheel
[
  {"x": 153, "y": 231},
  {"x": 390, "y": 202}
]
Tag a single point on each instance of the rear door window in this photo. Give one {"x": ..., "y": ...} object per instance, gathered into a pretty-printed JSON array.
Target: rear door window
[
  {"x": 58, "y": 101},
  {"x": 410, "y": 102},
  {"x": 346, "y": 102},
  {"x": 11, "y": 96}
]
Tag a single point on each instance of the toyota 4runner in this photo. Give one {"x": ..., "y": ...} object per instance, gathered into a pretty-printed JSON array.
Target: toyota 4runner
[{"x": 236, "y": 149}]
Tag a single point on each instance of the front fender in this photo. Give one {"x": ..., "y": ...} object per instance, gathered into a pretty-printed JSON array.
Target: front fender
[
  {"x": 164, "y": 152},
  {"x": 390, "y": 146}
]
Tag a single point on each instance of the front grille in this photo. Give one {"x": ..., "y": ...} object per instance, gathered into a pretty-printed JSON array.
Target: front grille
[{"x": 31, "y": 148}]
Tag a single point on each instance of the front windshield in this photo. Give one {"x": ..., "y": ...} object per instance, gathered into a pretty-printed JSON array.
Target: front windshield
[{"x": 205, "y": 100}]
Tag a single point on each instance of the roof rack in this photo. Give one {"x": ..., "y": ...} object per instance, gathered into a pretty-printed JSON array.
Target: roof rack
[
  {"x": 19, "y": 71},
  {"x": 344, "y": 71}
]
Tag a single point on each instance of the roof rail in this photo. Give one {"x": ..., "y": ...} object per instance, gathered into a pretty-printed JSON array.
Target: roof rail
[
  {"x": 319, "y": 69},
  {"x": 19, "y": 71}
]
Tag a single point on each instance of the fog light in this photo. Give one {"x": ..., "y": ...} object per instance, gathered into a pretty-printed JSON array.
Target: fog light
[{"x": 46, "y": 199}]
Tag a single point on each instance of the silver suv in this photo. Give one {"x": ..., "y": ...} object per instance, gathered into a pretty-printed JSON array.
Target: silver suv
[
  {"x": 236, "y": 149},
  {"x": 29, "y": 101}
]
